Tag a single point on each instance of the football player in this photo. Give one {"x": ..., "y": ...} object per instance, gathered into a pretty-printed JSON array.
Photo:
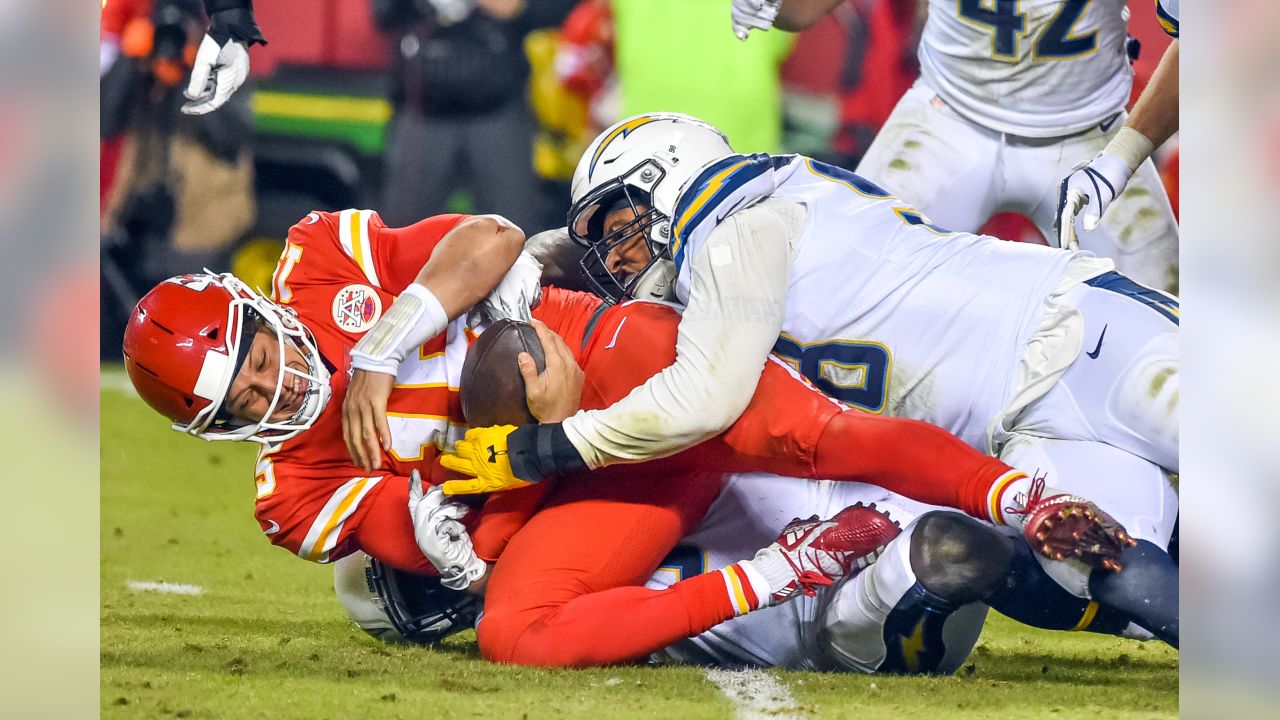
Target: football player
[
  {"x": 917, "y": 609},
  {"x": 876, "y": 307},
  {"x": 1011, "y": 94},
  {"x": 1094, "y": 185},
  {"x": 545, "y": 599},
  {"x": 224, "y": 363}
]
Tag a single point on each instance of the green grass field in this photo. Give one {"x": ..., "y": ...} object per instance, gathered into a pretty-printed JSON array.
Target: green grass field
[{"x": 266, "y": 638}]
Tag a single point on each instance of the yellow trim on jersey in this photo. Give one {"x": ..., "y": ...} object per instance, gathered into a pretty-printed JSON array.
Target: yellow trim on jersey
[
  {"x": 351, "y": 493},
  {"x": 993, "y": 498},
  {"x": 888, "y": 369},
  {"x": 357, "y": 245},
  {"x": 353, "y": 232},
  {"x": 708, "y": 191},
  {"x": 808, "y": 163},
  {"x": 418, "y": 416},
  {"x": 1090, "y": 612},
  {"x": 424, "y": 386}
]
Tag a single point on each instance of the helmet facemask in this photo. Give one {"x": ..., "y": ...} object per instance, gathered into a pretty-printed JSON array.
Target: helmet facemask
[
  {"x": 419, "y": 608},
  {"x": 656, "y": 279},
  {"x": 247, "y": 314}
]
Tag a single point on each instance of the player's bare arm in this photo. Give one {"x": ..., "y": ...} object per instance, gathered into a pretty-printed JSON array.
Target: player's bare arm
[
  {"x": 463, "y": 269},
  {"x": 556, "y": 392}
]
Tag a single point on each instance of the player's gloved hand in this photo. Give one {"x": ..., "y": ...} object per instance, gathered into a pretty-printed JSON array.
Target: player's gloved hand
[
  {"x": 751, "y": 15},
  {"x": 222, "y": 61},
  {"x": 518, "y": 292},
  {"x": 505, "y": 457},
  {"x": 441, "y": 536},
  {"x": 1092, "y": 186},
  {"x": 482, "y": 455}
]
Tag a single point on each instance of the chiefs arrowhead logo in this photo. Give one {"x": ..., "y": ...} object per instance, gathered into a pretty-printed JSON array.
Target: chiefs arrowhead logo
[{"x": 356, "y": 308}]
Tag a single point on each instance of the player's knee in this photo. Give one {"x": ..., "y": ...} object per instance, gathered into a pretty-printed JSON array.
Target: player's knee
[
  {"x": 498, "y": 634},
  {"x": 958, "y": 558}
]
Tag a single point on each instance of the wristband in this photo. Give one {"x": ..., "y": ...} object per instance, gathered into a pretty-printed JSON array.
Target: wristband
[
  {"x": 237, "y": 25},
  {"x": 1130, "y": 147},
  {"x": 414, "y": 318},
  {"x": 540, "y": 451}
]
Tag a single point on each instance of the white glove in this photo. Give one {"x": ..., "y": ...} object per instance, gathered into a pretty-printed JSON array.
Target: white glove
[
  {"x": 518, "y": 292},
  {"x": 751, "y": 15},
  {"x": 1095, "y": 184},
  {"x": 218, "y": 72},
  {"x": 441, "y": 536}
]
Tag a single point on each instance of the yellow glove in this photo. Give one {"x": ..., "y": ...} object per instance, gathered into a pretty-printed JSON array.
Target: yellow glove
[{"x": 482, "y": 455}]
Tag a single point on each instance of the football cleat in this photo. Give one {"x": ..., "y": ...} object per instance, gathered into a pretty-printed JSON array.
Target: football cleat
[
  {"x": 1063, "y": 526},
  {"x": 820, "y": 552}
]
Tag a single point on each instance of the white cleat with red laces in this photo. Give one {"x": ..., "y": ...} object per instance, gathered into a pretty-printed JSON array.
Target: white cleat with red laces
[{"x": 814, "y": 553}]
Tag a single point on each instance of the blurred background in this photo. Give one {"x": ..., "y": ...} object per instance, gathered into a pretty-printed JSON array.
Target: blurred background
[{"x": 418, "y": 107}]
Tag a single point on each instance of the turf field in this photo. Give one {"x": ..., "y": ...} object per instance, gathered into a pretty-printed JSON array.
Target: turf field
[{"x": 203, "y": 618}]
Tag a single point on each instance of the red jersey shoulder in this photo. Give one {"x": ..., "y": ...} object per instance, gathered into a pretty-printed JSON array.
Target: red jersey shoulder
[{"x": 629, "y": 344}]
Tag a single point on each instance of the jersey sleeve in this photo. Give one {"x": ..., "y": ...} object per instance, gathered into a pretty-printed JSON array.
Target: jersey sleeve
[
  {"x": 355, "y": 246},
  {"x": 733, "y": 317},
  {"x": 315, "y": 511},
  {"x": 1167, "y": 14}
]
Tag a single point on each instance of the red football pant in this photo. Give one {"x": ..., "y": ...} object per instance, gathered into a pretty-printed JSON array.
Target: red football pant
[{"x": 567, "y": 590}]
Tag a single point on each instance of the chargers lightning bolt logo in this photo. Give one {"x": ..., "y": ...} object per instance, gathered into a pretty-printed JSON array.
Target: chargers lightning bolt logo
[{"x": 620, "y": 131}]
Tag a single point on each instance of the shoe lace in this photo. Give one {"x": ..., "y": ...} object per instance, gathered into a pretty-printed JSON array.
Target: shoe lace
[{"x": 1033, "y": 496}]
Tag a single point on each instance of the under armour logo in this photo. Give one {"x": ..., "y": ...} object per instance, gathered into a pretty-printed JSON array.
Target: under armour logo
[{"x": 493, "y": 454}]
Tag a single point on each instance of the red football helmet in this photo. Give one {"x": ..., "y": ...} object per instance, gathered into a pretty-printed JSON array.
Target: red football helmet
[{"x": 185, "y": 343}]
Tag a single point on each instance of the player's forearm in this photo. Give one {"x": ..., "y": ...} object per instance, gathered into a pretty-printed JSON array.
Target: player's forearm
[
  {"x": 734, "y": 315},
  {"x": 797, "y": 15},
  {"x": 468, "y": 263},
  {"x": 1156, "y": 113}
]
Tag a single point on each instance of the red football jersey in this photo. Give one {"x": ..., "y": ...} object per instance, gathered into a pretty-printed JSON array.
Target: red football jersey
[
  {"x": 340, "y": 272},
  {"x": 620, "y": 347}
]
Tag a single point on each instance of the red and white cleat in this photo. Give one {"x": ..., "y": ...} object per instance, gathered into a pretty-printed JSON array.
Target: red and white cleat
[
  {"x": 1061, "y": 526},
  {"x": 820, "y": 552}
]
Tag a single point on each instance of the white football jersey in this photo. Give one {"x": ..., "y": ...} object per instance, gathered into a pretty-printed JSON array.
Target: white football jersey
[
  {"x": 883, "y": 311},
  {"x": 750, "y": 512},
  {"x": 1167, "y": 15},
  {"x": 1035, "y": 68}
]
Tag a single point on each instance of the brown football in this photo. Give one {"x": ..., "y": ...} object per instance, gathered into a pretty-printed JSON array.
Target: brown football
[{"x": 492, "y": 390}]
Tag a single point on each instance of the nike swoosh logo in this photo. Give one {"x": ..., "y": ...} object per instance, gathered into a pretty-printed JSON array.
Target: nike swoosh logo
[
  {"x": 275, "y": 528},
  {"x": 614, "y": 341},
  {"x": 1098, "y": 349},
  {"x": 1105, "y": 125}
]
